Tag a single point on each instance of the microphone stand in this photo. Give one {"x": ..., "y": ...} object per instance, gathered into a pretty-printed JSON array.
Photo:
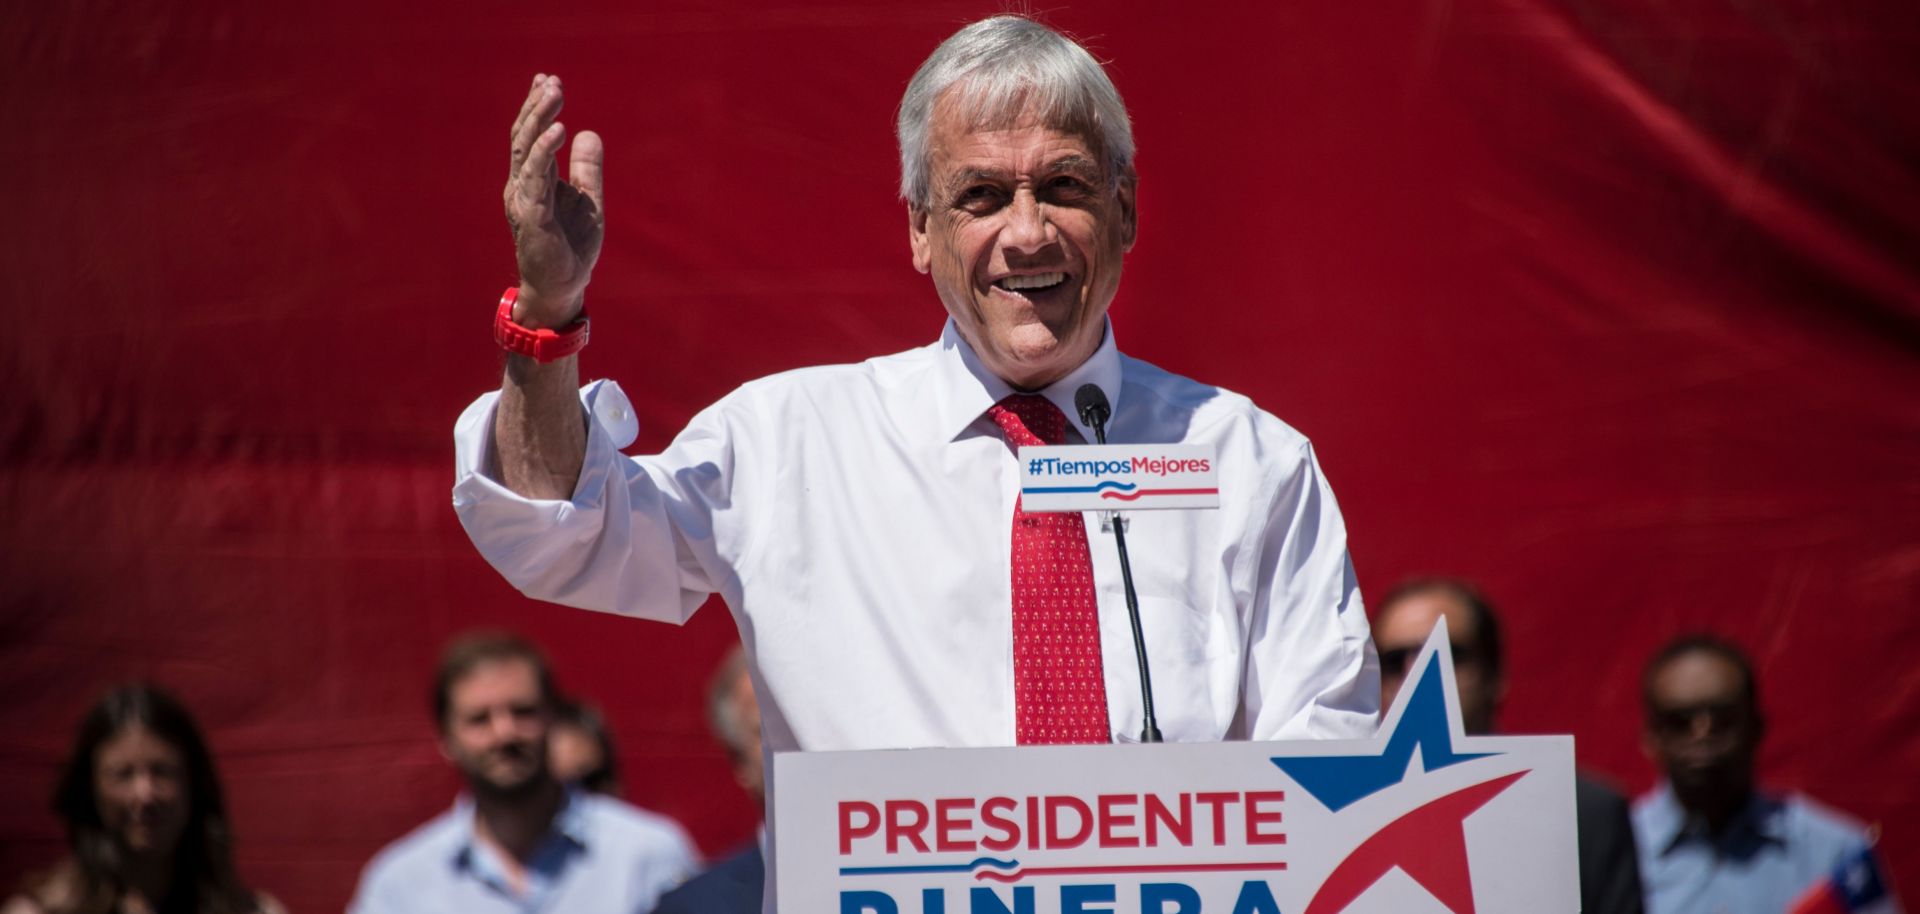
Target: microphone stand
[{"x": 1094, "y": 411}]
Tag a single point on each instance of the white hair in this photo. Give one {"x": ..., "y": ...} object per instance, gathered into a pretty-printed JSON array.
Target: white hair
[{"x": 1005, "y": 69}]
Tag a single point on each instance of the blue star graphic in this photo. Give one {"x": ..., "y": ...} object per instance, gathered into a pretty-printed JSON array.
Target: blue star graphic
[{"x": 1338, "y": 781}]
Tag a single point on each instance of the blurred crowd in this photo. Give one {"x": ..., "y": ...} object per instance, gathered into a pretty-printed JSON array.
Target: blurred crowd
[{"x": 540, "y": 824}]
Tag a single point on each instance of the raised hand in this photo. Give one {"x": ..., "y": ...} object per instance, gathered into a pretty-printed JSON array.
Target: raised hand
[{"x": 557, "y": 225}]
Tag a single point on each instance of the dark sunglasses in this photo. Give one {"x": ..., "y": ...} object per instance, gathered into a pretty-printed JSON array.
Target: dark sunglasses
[
  {"x": 1395, "y": 660},
  {"x": 1722, "y": 717}
]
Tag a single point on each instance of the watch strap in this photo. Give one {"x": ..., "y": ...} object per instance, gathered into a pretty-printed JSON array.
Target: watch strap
[{"x": 543, "y": 345}]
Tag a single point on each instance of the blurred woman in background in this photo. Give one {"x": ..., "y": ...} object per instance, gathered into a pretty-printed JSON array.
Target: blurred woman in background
[{"x": 146, "y": 824}]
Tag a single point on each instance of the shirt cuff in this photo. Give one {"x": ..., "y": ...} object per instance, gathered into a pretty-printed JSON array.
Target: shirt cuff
[
  {"x": 551, "y": 549},
  {"x": 611, "y": 426}
]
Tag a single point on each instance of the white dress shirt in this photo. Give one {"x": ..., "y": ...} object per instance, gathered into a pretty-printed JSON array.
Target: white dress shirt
[{"x": 857, "y": 519}]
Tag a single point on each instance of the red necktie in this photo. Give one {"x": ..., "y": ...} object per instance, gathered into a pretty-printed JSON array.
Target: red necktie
[{"x": 1059, "y": 689}]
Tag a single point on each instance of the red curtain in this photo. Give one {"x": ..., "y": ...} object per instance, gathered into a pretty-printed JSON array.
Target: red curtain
[{"x": 1613, "y": 307}]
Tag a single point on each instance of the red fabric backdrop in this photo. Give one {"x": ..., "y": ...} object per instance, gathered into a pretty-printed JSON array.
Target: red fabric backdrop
[{"x": 1614, "y": 307}]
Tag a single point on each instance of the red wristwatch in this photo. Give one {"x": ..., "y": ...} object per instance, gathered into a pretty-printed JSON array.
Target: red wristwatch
[{"x": 541, "y": 345}]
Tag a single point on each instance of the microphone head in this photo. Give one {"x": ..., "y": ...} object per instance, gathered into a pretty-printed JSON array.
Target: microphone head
[{"x": 1091, "y": 402}]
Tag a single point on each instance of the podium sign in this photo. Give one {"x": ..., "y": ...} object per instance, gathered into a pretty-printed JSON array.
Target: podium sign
[{"x": 1419, "y": 818}]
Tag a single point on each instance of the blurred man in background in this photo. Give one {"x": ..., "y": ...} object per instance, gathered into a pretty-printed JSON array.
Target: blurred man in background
[
  {"x": 1609, "y": 880},
  {"x": 734, "y": 885},
  {"x": 1710, "y": 841},
  {"x": 518, "y": 839}
]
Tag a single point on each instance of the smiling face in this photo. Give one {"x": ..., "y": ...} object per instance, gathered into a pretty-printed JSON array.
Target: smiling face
[
  {"x": 141, "y": 792},
  {"x": 1023, "y": 235}
]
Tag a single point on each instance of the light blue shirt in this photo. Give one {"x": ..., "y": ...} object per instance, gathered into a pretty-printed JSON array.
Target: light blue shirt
[
  {"x": 1774, "y": 850},
  {"x": 601, "y": 855}
]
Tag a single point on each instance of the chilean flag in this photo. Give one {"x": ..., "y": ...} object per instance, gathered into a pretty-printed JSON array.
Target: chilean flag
[{"x": 1855, "y": 887}]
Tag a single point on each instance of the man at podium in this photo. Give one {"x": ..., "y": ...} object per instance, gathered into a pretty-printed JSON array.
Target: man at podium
[{"x": 862, "y": 521}]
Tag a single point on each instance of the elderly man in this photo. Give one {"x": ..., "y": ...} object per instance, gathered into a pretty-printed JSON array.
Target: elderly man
[{"x": 862, "y": 521}]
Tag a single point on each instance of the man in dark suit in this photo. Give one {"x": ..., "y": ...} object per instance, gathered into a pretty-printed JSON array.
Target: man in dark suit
[
  {"x": 1609, "y": 872},
  {"x": 734, "y": 885}
]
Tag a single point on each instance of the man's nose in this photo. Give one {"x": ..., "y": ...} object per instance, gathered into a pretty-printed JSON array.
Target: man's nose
[
  {"x": 1028, "y": 228},
  {"x": 1702, "y": 726}
]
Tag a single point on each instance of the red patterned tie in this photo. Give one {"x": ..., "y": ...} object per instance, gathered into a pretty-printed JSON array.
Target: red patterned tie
[{"x": 1059, "y": 689}]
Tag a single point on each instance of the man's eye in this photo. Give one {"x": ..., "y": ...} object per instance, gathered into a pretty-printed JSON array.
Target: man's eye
[
  {"x": 1068, "y": 185},
  {"x": 979, "y": 194}
]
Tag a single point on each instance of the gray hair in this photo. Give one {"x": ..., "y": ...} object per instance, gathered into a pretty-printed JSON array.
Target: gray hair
[
  {"x": 1005, "y": 68},
  {"x": 723, "y": 703}
]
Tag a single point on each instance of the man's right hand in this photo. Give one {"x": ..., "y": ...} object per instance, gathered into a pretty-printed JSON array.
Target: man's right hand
[
  {"x": 539, "y": 430},
  {"x": 557, "y": 225}
]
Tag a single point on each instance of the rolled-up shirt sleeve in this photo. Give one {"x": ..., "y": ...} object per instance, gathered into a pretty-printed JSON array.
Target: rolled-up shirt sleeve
[
  {"x": 635, "y": 538},
  {"x": 1311, "y": 670}
]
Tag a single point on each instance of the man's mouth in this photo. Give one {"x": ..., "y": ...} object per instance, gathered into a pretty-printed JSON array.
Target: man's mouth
[
  {"x": 512, "y": 755},
  {"x": 1031, "y": 283}
]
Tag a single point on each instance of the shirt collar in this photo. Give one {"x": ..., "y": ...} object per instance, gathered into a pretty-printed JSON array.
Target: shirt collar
[
  {"x": 1671, "y": 826},
  {"x": 569, "y": 822},
  {"x": 968, "y": 388}
]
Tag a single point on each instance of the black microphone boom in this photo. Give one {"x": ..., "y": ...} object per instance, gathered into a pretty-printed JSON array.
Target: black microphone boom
[{"x": 1091, "y": 402}]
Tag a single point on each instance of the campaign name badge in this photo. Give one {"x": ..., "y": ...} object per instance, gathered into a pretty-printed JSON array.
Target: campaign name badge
[{"x": 1118, "y": 477}]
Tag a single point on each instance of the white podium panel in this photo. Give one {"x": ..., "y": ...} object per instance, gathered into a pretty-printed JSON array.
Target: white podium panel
[{"x": 1418, "y": 819}]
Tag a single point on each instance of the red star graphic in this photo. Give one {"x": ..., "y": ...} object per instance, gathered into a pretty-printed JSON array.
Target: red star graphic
[{"x": 1428, "y": 844}]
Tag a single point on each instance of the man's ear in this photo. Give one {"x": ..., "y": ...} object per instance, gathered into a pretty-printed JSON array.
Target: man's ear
[
  {"x": 1129, "y": 213},
  {"x": 917, "y": 239}
]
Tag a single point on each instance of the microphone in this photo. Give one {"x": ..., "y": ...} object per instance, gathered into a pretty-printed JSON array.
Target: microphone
[{"x": 1091, "y": 402}]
